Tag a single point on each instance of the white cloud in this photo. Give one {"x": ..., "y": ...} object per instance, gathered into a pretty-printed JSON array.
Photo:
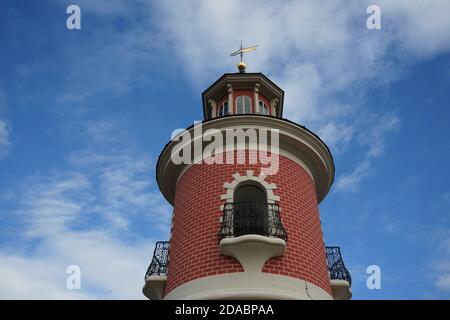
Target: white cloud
[
  {"x": 124, "y": 186},
  {"x": 25, "y": 278},
  {"x": 298, "y": 32},
  {"x": 118, "y": 53},
  {"x": 4, "y": 138},
  {"x": 84, "y": 216},
  {"x": 443, "y": 282},
  {"x": 421, "y": 28},
  {"x": 337, "y": 135},
  {"x": 110, "y": 268},
  {"x": 446, "y": 197},
  {"x": 108, "y": 8},
  {"x": 442, "y": 265},
  {"x": 375, "y": 138},
  {"x": 101, "y": 131},
  {"x": 5, "y": 129},
  {"x": 377, "y": 129},
  {"x": 50, "y": 204},
  {"x": 350, "y": 182}
]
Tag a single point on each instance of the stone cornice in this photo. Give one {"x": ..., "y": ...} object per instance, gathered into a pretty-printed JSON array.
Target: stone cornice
[{"x": 293, "y": 139}]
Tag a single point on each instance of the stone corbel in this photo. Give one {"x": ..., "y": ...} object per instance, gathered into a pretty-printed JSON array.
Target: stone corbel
[
  {"x": 214, "y": 110},
  {"x": 256, "y": 98},
  {"x": 230, "y": 99},
  {"x": 273, "y": 105}
]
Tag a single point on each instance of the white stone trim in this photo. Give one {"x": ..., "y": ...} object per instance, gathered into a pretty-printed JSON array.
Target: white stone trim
[
  {"x": 238, "y": 180},
  {"x": 245, "y": 285},
  {"x": 341, "y": 290},
  {"x": 294, "y": 140},
  {"x": 214, "y": 111},
  {"x": 252, "y": 250},
  {"x": 230, "y": 99},
  {"x": 154, "y": 287},
  {"x": 256, "y": 98},
  {"x": 273, "y": 104}
]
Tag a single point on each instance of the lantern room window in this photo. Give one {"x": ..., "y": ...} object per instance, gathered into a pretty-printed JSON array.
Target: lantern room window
[
  {"x": 263, "y": 108},
  {"x": 243, "y": 104},
  {"x": 223, "y": 110}
]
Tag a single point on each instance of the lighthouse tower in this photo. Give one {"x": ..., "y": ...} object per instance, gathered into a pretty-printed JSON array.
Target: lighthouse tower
[{"x": 245, "y": 185}]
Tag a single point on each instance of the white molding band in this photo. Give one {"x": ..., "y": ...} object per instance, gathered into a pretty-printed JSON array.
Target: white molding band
[
  {"x": 296, "y": 142},
  {"x": 248, "y": 285}
]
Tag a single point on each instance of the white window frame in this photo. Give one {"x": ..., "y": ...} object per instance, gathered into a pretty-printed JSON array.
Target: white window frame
[
  {"x": 221, "y": 112},
  {"x": 261, "y": 107},
  {"x": 244, "y": 99}
]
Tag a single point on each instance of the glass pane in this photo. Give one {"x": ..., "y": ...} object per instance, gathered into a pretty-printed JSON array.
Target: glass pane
[
  {"x": 240, "y": 104},
  {"x": 223, "y": 110},
  {"x": 247, "y": 104},
  {"x": 249, "y": 193},
  {"x": 263, "y": 108},
  {"x": 243, "y": 104}
]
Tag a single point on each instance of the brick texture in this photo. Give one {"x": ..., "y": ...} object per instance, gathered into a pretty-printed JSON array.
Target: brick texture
[{"x": 194, "y": 247}]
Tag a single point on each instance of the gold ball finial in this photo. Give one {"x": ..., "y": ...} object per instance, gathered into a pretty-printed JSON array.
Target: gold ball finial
[{"x": 241, "y": 66}]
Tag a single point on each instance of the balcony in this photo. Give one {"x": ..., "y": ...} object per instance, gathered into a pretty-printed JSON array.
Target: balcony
[
  {"x": 252, "y": 217},
  {"x": 341, "y": 280},
  {"x": 252, "y": 232},
  {"x": 156, "y": 275}
]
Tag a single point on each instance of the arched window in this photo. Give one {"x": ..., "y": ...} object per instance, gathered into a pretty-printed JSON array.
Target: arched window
[
  {"x": 223, "y": 110},
  {"x": 250, "y": 214},
  {"x": 243, "y": 104},
  {"x": 250, "y": 208},
  {"x": 250, "y": 192},
  {"x": 263, "y": 108}
]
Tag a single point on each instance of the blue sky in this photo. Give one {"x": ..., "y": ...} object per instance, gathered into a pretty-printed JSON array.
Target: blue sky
[{"x": 84, "y": 115}]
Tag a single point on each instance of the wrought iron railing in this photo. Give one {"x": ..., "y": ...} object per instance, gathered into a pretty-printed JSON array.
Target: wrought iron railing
[
  {"x": 252, "y": 217},
  {"x": 336, "y": 265},
  {"x": 158, "y": 266}
]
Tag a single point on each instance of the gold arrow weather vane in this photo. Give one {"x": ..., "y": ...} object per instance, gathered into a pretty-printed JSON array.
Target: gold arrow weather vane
[{"x": 241, "y": 51}]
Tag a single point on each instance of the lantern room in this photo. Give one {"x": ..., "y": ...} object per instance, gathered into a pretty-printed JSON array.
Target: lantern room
[{"x": 243, "y": 93}]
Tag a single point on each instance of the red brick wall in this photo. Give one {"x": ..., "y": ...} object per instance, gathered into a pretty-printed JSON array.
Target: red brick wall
[{"x": 194, "y": 247}]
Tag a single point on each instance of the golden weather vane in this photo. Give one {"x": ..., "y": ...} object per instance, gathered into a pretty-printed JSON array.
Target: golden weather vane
[{"x": 241, "y": 65}]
